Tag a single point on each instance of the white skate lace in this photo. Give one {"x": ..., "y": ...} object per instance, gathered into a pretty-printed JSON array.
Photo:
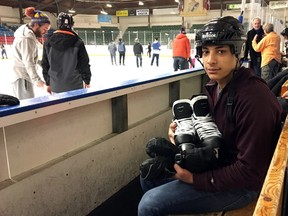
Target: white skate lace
[
  {"x": 184, "y": 126},
  {"x": 205, "y": 127}
]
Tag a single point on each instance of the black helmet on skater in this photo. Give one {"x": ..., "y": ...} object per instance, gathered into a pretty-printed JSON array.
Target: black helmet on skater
[
  {"x": 65, "y": 21},
  {"x": 284, "y": 32},
  {"x": 222, "y": 31}
]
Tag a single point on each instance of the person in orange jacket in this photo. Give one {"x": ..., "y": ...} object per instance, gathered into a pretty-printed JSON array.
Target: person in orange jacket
[
  {"x": 181, "y": 51},
  {"x": 269, "y": 47}
]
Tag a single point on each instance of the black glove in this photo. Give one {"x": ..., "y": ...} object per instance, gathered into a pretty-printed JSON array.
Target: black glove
[
  {"x": 8, "y": 100},
  {"x": 157, "y": 168},
  {"x": 160, "y": 146},
  {"x": 197, "y": 159},
  {"x": 161, "y": 163}
]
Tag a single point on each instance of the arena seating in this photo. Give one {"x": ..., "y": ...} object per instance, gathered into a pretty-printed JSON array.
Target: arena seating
[{"x": 6, "y": 35}]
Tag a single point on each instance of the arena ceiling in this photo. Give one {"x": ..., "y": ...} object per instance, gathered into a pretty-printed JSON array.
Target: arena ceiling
[{"x": 95, "y": 6}]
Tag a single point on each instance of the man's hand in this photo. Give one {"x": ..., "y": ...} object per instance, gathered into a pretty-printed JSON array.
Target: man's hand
[
  {"x": 255, "y": 37},
  {"x": 183, "y": 174},
  {"x": 40, "y": 84},
  {"x": 48, "y": 89},
  {"x": 171, "y": 132}
]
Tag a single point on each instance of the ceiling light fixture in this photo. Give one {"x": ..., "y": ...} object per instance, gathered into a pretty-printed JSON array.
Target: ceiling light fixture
[
  {"x": 71, "y": 10},
  {"x": 141, "y": 3},
  {"x": 103, "y": 12},
  {"x": 109, "y": 5}
]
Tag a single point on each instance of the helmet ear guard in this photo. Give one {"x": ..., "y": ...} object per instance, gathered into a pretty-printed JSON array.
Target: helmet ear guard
[{"x": 222, "y": 31}]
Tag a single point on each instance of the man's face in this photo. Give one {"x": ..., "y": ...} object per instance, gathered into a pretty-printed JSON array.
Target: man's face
[
  {"x": 41, "y": 30},
  {"x": 219, "y": 63},
  {"x": 256, "y": 24}
]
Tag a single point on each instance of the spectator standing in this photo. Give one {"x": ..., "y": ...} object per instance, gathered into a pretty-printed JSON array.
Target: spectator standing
[
  {"x": 255, "y": 57},
  {"x": 112, "y": 50},
  {"x": 3, "y": 51},
  {"x": 149, "y": 50},
  {"x": 138, "y": 51},
  {"x": 156, "y": 51},
  {"x": 269, "y": 47},
  {"x": 25, "y": 53},
  {"x": 246, "y": 152},
  {"x": 122, "y": 51},
  {"x": 65, "y": 60},
  {"x": 181, "y": 51},
  {"x": 284, "y": 33}
]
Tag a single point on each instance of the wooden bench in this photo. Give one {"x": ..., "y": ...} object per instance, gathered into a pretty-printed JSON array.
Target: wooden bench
[{"x": 270, "y": 201}]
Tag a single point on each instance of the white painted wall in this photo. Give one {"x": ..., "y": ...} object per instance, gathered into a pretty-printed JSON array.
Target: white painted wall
[{"x": 64, "y": 159}]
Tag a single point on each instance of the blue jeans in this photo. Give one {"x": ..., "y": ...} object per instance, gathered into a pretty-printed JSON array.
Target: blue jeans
[
  {"x": 157, "y": 59},
  {"x": 171, "y": 196},
  {"x": 256, "y": 66},
  {"x": 138, "y": 59},
  {"x": 180, "y": 63},
  {"x": 122, "y": 57}
]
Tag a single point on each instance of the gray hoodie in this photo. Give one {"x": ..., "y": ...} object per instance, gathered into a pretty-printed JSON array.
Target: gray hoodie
[{"x": 25, "y": 55}]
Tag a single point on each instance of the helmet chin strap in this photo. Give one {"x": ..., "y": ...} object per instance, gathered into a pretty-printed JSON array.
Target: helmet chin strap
[{"x": 198, "y": 59}]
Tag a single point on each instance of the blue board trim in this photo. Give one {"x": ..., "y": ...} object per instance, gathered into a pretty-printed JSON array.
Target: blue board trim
[{"x": 44, "y": 101}]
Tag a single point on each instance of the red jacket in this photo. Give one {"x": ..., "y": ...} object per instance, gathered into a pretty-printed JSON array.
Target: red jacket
[
  {"x": 181, "y": 46},
  {"x": 250, "y": 139}
]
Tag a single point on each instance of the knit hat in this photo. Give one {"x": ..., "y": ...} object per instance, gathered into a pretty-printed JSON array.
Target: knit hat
[
  {"x": 136, "y": 40},
  {"x": 183, "y": 30},
  {"x": 37, "y": 16}
]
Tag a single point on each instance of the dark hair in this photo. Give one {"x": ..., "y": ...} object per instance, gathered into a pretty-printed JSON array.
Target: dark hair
[
  {"x": 222, "y": 31},
  {"x": 183, "y": 30}
]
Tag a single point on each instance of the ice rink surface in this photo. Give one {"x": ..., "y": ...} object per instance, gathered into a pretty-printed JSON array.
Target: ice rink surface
[{"x": 103, "y": 71}]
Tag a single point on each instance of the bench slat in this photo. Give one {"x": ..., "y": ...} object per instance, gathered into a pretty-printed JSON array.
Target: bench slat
[{"x": 270, "y": 199}]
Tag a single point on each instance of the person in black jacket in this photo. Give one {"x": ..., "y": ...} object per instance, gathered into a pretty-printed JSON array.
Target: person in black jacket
[
  {"x": 254, "y": 56},
  {"x": 149, "y": 50},
  {"x": 138, "y": 51},
  {"x": 65, "y": 60},
  {"x": 284, "y": 33}
]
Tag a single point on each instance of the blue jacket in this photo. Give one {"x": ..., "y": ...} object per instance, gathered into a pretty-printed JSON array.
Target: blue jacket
[
  {"x": 121, "y": 47},
  {"x": 156, "y": 45}
]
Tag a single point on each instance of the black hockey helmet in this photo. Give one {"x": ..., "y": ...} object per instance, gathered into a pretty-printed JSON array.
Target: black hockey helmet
[
  {"x": 284, "y": 32},
  {"x": 222, "y": 31},
  {"x": 65, "y": 21}
]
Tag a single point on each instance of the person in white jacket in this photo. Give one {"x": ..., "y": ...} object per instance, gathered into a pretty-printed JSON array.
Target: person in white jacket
[{"x": 25, "y": 54}]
